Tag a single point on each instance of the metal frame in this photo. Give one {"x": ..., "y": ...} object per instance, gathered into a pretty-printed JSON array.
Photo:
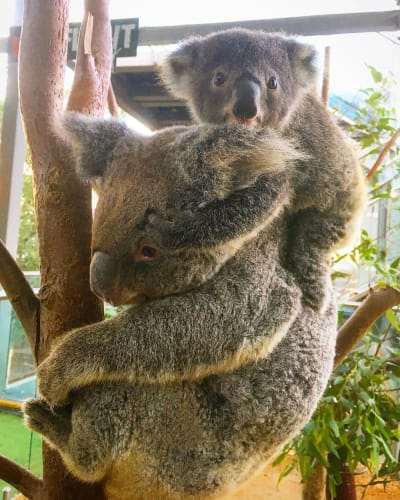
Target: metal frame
[{"x": 330, "y": 24}]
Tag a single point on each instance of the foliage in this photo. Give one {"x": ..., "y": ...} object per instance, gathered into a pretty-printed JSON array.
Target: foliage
[
  {"x": 357, "y": 420},
  {"x": 27, "y": 253},
  {"x": 375, "y": 122}
]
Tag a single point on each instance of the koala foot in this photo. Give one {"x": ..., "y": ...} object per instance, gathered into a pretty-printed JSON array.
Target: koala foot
[{"x": 53, "y": 425}]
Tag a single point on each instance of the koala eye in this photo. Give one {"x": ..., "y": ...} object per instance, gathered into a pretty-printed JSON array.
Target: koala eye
[
  {"x": 219, "y": 79},
  {"x": 146, "y": 253},
  {"x": 272, "y": 83}
]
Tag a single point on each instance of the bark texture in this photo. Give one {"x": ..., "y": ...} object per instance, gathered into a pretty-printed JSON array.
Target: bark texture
[{"x": 62, "y": 203}]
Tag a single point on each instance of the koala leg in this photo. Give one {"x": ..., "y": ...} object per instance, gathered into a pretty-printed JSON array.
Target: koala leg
[
  {"x": 312, "y": 235},
  {"x": 102, "y": 424},
  {"x": 53, "y": 425},
  {"x": 90, "y": 433}
]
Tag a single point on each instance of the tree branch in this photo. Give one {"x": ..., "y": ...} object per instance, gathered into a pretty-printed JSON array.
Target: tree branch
[
  {"x": 388, "y": 146},
  {"x": 62, "y": 202},
  {"x": 93, "y": 61},
  {"x": 112, "y": 102},
  {"x": 21, "y": 296},
  {"x": 326, "y": 76},
  {"x": 378, "y": 301},
  {"x": 23, "y": 480}
]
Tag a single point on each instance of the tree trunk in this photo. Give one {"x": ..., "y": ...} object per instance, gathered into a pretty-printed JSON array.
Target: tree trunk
[
  {"x": 347, "y": 489},
  {"x": 62, "y": 203},
  {"x": 314, "y": 488}
]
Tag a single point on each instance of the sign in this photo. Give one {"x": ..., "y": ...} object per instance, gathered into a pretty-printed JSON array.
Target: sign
[
  {"x": 125, "y": 37},
  {"x": 124, "y": 32}
]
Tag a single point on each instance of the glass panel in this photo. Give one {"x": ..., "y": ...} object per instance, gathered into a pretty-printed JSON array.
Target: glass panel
[{"x": 20, "y": 361}]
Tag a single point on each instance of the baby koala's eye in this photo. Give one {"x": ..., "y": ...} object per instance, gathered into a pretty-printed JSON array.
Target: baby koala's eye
[
  {"x": 146, "y": 253},
  {"x": 272, "y": 83},
  {"x": 219, "y": 79}
]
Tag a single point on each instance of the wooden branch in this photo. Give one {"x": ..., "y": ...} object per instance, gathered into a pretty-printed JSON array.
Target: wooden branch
[
  {"x": 326, "y": 76},
  {"x": 22, "y": 480},
  {"x": 378, "y": 301},
  {"x": 112, "y": 102},
  {"x": 314, "y": 487},
  {"x": 93, "y": 62},
  {"x": 21, "y": 296},
  {"x": 388, "y": 146},
  {"x": 62, "y": 202}
]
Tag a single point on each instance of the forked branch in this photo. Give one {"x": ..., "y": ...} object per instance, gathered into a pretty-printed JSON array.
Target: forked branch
[
  {"x": 93, "y": 62},
  {"x": 21, "y": 479},
  {"x": 378, "y": 301},
  {"x": 20, "y": 294}
]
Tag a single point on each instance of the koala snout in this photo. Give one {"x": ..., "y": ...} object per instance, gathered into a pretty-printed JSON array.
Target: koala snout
[
  {"x": 103, "y": 275},
  {"x": 246, "y": 99}
]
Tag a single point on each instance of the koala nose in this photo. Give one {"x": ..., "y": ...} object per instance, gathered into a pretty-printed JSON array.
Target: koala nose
[
  {"x": 103, "y": 274},
  {"x": 246, "y": 99}
]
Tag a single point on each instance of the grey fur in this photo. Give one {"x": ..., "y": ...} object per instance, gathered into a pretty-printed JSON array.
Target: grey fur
[
  {"x": 187, "y": 394},
  {"x": 327, "y": 191}
]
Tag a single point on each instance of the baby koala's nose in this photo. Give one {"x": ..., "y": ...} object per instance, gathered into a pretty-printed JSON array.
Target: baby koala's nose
[
  {"x": 103, "y": 275},
  {"x": 246, "y": 99}
]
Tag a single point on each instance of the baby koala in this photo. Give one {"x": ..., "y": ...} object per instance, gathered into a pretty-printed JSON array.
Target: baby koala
[
  {"x": 266, "y": 80},
  {"x": 186, "y": 394}
]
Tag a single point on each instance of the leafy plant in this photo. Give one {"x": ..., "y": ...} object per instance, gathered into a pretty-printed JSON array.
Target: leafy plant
[
  {"x": 357, "y": 420},
  {"x": 27, "y": 252}
]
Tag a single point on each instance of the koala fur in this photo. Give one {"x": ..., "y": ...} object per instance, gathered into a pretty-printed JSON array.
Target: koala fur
[
  {"x": 267, "y": 80},
  {"x": 186, "y": 394}
]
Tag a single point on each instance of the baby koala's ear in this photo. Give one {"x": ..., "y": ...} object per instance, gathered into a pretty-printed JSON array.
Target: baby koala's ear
[
  {"x": 178, "y": 68},
  {"x": 92, "y": 141},
  {"x": 303, "y": 59},
  {"x": 244, "y": 154}
]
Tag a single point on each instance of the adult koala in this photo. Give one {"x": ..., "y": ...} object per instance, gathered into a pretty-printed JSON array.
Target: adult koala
[{"x": 188, "y": 393}]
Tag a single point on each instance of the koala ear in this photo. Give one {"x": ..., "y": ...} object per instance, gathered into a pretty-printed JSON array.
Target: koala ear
[
  {"x": 93, "y": 142},
  {"x": 303, "y": 58},
  {"x": 176, "y": 71}
]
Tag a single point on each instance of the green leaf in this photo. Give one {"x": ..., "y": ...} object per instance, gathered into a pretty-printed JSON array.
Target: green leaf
[
  {"x": 334, "y": 427},
  {"x": 391, "y": 317},
  {"x": 286, "y": 471}
]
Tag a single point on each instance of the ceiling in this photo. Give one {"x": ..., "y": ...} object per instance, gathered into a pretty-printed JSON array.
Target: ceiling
[{"x": 140, "y": 93}]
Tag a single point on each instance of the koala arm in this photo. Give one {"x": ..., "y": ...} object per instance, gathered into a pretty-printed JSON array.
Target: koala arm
[
  {"x": 182, "y": 337},
  {"x": 223, "y": 219}
]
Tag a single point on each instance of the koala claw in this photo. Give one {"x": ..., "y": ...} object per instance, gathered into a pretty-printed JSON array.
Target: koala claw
[
  {"x": 55, "y": 426},
  {"x": 36, "y": 412}
]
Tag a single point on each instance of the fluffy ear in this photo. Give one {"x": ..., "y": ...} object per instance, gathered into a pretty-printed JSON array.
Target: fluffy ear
[
  {"x": 176, "y": 70},
  {"x": 303, "y": 58},
  {"x": 92, "y": 141},
  {"x": 244, "y": 154}
]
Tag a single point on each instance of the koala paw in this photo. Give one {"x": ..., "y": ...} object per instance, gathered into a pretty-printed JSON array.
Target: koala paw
[
  {"x": 37, "y": 413},
  {"x": 313, "y": 281},
  {"x": 159, "y": 230},
  {"x": 167, "y": 231},
  {"x": 40, "y": 418},
  {"x": 314, "y": 296}
]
